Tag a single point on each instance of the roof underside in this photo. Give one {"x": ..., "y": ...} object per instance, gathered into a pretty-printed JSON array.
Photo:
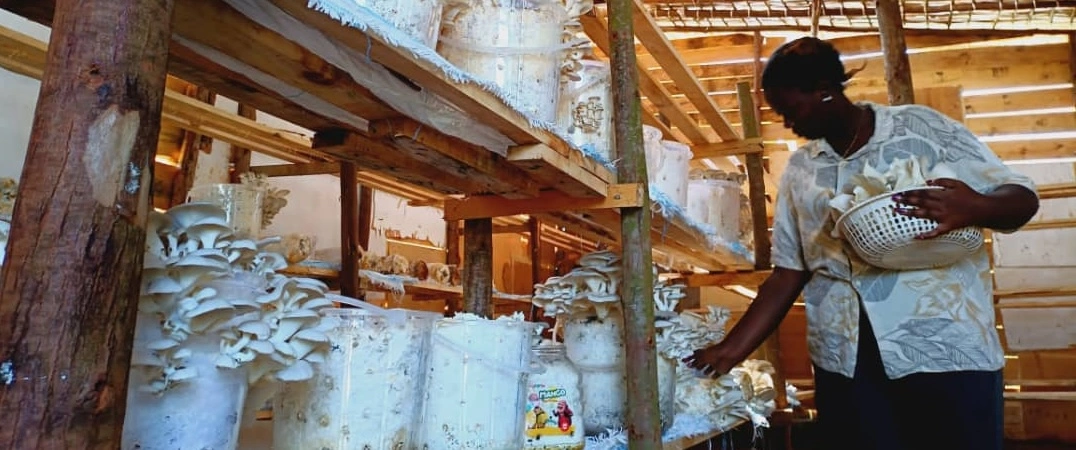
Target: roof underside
[{"x": 724, "y": 15}]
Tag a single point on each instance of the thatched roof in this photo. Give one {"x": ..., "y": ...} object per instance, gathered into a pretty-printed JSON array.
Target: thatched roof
[{"x": 726, "y": 15}]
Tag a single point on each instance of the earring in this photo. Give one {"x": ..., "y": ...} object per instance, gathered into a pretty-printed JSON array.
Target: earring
[{"x": 827, "y": 99}]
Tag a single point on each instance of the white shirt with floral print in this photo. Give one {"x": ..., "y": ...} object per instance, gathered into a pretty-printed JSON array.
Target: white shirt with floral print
[{"x": 935, "y": 320}]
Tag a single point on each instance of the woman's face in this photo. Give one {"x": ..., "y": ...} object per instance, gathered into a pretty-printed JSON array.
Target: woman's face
[{"x": 803, "y": 112}]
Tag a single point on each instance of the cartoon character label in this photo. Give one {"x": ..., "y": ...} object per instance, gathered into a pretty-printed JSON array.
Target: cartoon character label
[{"x": 550, "y": 419}]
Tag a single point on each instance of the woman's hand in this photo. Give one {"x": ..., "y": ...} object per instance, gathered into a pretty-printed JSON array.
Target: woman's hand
[
  {"x": 956, "y": 205},
  {"x": 713, "y": 361}
]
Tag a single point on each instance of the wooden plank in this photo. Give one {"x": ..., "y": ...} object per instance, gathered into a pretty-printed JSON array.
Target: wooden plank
[
  {"x": 746, "y": 146},
  {"x": 297, "y": 170},
  {"x": 469, "y": 97},
  {"x": 1034, "y": 149},
  {"x": 748, "y": 279},
  {"x": 1019, "y": 101},
  {"x": 456, "y": 156},
  {"x": 1022, "y": 124},
  {"x": 1040, "y": 365},
  {"x": 653, "y": 38},
  {"x": 552, "y": 169},
  {"x": 381, "y": 157},
  {"x": 649, "y": 87},
  {"x": 218, "y": 26},
  {"x": 618, "y": 196},
  {"x": 1042, "y": 328}
]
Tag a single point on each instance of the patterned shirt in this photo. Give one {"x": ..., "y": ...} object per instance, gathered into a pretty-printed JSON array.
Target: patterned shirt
[{"x": 934, "y": 320}]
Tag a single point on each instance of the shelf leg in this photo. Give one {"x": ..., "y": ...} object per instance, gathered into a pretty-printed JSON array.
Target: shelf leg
[
  {"x": 637, "y": 285},
  {"x": 478, "y": 267},
  {"x": 70, "y": 284},
  {"x": 349, "y": 230}
]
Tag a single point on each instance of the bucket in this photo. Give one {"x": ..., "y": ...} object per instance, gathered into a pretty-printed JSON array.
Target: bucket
[
  {"x": 367, "y": 393},
  {"x": 242, "y": 205},
  {"x": 476, "y": 384}
]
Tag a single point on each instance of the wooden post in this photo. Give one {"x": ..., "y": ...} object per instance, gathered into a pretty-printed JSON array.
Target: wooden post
[
  {"x": 898, "y": 71},
  {"x": 366, "y": 216},
  {"x": 349, "y": 229},
  {"x": 534, "y": 244},
  {"x": 192, "y": 144},
  {"x": 71, "y": 281},
  {"x": 452, "y": 242},
  {"x": 816, "y": 16},
  {"x": 240, "y": 156},
  {"x": 643, "y": 419},
  {"x": 478, "y": 269},
  {"x": 757, "y": 196}
]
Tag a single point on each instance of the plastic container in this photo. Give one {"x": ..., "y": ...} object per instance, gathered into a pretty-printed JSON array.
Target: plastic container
[
  {"x": 242, "y": 205},
  {"x": 653, "y": 149},
  {"x": 671, "y": 171},
  {"x": 885, "y": 239},
  {"x": 554, "y": 400},
  {"x": 515, "y": 44},
  {"x": 368, "y": 391},
  {"x": 596, "y": 346},
  {"x": 200, "y": 413},
  {"x": 476, "y": 384},
  {"x": 420, "y": 19},
  {"x": 586, "y": 108}
]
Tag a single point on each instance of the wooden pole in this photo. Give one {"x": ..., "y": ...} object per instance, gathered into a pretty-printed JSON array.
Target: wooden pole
[
  {"x": 478, "y": 269},
  {"x": 757, "y": 196},
  {"x": 366, "y": 216},
  {"x": 452, "y": 242},
  {"x": 637, "y": 285},
  {"x": 534, "y": 244},
  {"x": 70, "y": 285},
  {"x": 898, "y": 70},
  {"x": 349, "y": 230},
  {"x": 240, "y": 156},
  {"x": 192, "y": 144}
]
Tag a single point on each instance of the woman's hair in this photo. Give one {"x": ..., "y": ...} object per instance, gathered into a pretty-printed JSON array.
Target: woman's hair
[{"x": 806, "y": 64}]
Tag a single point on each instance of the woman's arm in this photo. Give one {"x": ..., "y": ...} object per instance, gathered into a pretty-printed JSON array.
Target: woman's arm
[
  {"x": 957, "y": 205},
  {"x": 775, "y": 298}
]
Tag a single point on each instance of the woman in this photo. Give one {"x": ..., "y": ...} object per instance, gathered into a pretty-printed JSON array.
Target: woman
[{"x": 903, "y": 359}]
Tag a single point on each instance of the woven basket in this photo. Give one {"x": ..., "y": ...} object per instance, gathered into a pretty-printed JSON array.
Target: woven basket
[{"x": 886, "y": 239}]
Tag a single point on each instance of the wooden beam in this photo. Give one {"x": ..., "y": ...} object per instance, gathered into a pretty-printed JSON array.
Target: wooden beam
[
  {"x": 297, "y": 170},
  {"x": 534, "y": 245},
  {"x": 454, "y": 155},
  {"x": 452, "y": 242},
  {"x": 643, "y": 417},
  {"x": 552, "y": 169},
  {"x": 618, "y": 196},
  {"x": 366, "y": 216},
  {"x": 70, "y": 284},
  {"x": 653, "y": 38},
  {"x": 746, "y": 279},
  {"x": 350, "y": 248},
  {"x": 478, "y": 269}
]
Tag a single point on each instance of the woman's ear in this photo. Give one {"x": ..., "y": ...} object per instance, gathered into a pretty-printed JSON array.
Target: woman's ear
[{"x": 826, "y": 97}]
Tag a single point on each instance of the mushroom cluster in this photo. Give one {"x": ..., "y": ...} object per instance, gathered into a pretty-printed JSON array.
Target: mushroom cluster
[
  {"x": 590, "y": 288},
  {"x": 199, "y": 280},
  {"x": 691, "y": 331}
]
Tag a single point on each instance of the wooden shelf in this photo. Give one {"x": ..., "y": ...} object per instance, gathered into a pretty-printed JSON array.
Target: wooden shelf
[{"x": 422, "y": 290}]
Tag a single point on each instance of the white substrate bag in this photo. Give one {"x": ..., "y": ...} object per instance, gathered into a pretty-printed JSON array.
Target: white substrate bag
[
  {"x": 596, "y": 346},
  {"x": 476, "y": 383},
  {"x": 515, "y": 44},
  {"x": 367, "y": 393},
  {"x": 200, "y": 413}
]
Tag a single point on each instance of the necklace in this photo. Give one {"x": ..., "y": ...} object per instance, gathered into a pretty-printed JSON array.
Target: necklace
[{"x": 855, "y": 137}]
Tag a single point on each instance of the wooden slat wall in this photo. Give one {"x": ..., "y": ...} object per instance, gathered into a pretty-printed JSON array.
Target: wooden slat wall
[{"x": 1039, "y": 66}]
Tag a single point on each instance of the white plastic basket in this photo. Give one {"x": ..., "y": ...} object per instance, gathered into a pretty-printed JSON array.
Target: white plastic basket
[{"x": 886, "y": 239}]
